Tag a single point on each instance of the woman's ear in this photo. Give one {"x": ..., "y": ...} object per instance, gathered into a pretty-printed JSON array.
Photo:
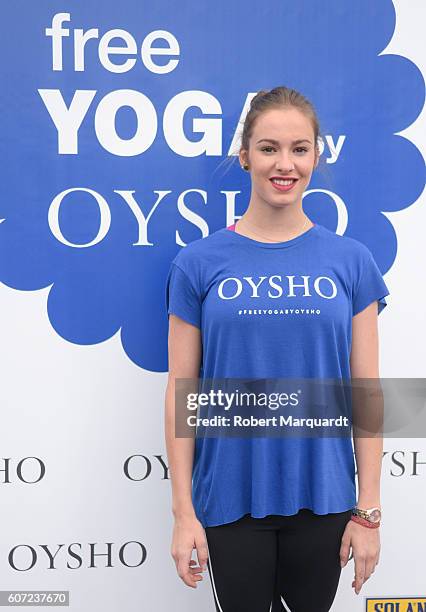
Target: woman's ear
[{"x": 243, "y": 157}]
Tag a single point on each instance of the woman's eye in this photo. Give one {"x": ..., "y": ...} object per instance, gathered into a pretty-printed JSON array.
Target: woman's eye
[{"x": 297, "y": 149}]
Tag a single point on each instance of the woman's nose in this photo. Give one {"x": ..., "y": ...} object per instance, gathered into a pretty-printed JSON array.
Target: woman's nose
[
  {"x": 284, "y": 161},
  {"x": 284, "y": 165}
]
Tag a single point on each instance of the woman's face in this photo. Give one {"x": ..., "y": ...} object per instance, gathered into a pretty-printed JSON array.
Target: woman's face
[{"x": 281, "y": 145}]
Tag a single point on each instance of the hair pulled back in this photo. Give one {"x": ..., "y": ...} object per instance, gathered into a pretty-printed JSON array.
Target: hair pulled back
[{"x": 277, "y": 98}]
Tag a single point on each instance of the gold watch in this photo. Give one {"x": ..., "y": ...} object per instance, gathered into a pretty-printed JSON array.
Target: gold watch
[{"x": 373, "y": 515}]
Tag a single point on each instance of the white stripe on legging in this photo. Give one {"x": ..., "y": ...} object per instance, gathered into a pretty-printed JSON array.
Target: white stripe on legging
[
  {"x": 284, "y": 604},
  {"x": 209, "y": 563}
]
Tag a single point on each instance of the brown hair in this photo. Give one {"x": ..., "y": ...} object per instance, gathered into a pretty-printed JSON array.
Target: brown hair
[{"x": 282, "y": 98}]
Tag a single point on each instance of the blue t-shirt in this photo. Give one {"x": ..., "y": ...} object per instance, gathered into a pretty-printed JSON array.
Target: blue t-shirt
[{"x": 273, "y": 310}]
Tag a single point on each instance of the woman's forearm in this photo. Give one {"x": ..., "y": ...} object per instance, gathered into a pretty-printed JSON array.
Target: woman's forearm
[
  {"x": 180, "y": 455},
  {"x": 368, "y": 413},
  {"x": 368, "y": 453}
]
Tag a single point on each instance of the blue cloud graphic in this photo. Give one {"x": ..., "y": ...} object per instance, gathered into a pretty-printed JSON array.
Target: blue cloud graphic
[{"x": 330, "y": 53}]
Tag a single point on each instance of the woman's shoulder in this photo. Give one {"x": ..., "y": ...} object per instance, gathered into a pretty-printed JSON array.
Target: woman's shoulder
[
  {"x": 197, "y": 251},
  {"x": 343, "y": 244}
]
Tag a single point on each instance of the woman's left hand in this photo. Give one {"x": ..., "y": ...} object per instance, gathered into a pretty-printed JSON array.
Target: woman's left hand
[{"x": 365, "y": 543}]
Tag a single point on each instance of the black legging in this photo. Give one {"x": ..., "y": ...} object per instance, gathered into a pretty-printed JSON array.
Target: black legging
[{"x": 276, "y": 563}]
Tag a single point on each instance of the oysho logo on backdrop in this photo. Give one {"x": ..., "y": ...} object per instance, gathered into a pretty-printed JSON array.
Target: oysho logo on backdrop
[
  {"x": 30, "y": 470},
  {"x": 140, "y": 467},
  {"x": 77, "y": 555},
  {"x": 398, "y": 463}
]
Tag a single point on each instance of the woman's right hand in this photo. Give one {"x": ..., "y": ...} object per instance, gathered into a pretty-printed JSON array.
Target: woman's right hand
[{"x": 188, "y": 533}]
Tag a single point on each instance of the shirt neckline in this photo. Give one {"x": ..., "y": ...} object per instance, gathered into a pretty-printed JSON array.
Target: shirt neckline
[{"x": 270, "y": 245}]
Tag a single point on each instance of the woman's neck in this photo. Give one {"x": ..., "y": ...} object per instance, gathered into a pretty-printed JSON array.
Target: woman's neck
[{"x": 273, "y": 230}]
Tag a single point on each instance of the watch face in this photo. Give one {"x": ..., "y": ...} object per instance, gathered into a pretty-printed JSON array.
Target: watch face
[{"x": 375, "y": 516}]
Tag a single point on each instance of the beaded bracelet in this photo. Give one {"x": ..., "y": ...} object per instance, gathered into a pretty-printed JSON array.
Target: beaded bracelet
[{"x": 364, "y": 522}]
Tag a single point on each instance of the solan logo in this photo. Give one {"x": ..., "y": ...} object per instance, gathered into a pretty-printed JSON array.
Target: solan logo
[{"x": 401, "y": 604}]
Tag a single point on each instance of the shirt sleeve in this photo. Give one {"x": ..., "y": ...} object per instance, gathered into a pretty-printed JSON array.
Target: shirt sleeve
[
  {"x": 370, "y": 286},
  {"x": 181, "y": 297}
]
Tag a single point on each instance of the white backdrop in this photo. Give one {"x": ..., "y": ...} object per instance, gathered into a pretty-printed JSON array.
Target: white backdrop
[{"x": 83, "y": 411}]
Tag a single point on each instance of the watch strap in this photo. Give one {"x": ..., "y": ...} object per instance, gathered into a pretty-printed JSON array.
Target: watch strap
[{"x": 364, "y": 522}]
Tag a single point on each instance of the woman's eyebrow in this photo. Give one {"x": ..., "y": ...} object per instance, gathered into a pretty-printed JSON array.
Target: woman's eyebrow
[{"x": 276, "y": 141}]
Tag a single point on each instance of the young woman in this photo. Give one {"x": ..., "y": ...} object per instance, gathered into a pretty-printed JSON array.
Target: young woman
[{"x": 272, "y": 296}]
